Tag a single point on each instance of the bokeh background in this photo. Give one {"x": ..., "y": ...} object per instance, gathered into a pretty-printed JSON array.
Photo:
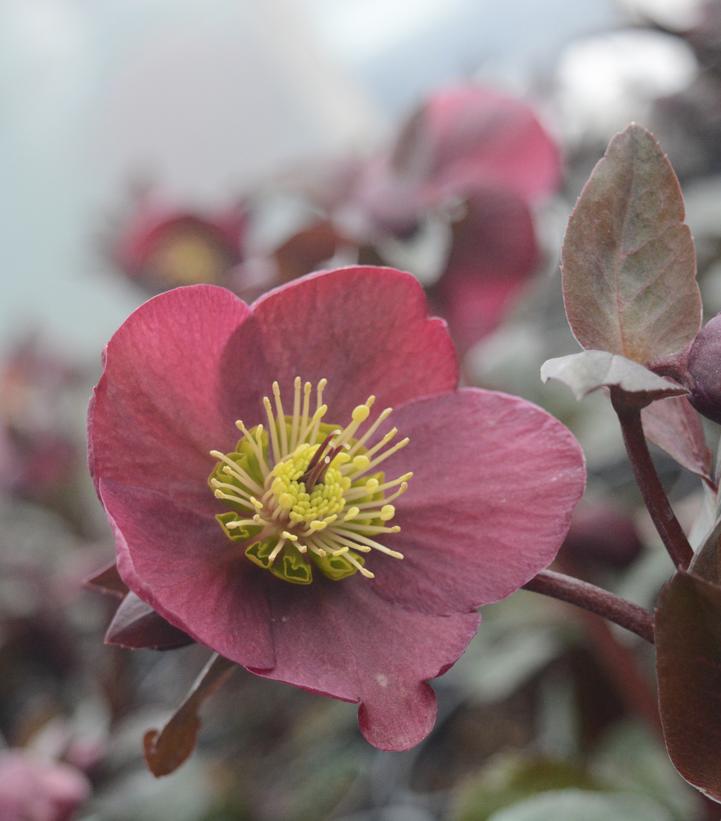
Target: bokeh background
[{"x": 150, "y": 143}]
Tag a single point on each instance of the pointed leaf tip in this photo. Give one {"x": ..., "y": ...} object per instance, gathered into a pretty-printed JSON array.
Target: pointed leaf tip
[{"x": 628, "y": 260}]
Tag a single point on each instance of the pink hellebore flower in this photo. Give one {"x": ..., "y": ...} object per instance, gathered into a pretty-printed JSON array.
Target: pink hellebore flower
[
  {"x": 325, "y": 548},
  {"x": 161, "y": 247},
  {"x": 477, "y": 146},
  {"x": 32, "y": 789}
]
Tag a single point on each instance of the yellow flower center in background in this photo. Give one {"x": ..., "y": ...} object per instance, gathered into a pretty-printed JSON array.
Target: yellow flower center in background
[{"x": 305, "y": 493}]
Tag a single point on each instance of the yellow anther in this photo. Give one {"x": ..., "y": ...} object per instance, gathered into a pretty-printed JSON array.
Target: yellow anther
[
  {"x": 351, "y": 513},
  {"x": 290, "y": 536},
  {"x": 341, "y": 459},
  {"x": 387, "y": 512},
  {"x": 360, "y": 413},
  {"x": 361, "y": 462},
  {"x": 285, "y": 500},
  {"x": 372, "y": 484}
]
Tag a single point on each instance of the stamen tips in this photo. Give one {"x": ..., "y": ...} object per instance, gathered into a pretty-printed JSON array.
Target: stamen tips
[
  {"x": 360, "y": 413},
  {"x": 387, "y": 513}
]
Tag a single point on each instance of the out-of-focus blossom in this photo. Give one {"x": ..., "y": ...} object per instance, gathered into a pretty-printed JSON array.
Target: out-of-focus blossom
[
  {"x": 38, "y": 454},
  {"x": 160, "y": 245},
  {"x": 288, "y": 559},
  {"x": 35, "y": 789},
  {"x": 603, "y": 536},
  {"x": 471, "y": 158}
]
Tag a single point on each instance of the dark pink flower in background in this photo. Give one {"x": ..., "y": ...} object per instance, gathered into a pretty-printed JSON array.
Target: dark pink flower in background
[
  {"x": 487, "y": 157},
  {"x": 160, "y": 245},
  {"x": 357, "y": 507},
  {"x": 38, "y": 453},
  {"x": 35, "y": 789}
]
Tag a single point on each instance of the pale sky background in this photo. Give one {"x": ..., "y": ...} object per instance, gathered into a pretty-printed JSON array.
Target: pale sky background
[{"x": 209, "y": 96}]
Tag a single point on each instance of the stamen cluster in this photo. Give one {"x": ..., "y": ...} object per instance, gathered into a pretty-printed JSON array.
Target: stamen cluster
[{"x": 308, "y": 493}]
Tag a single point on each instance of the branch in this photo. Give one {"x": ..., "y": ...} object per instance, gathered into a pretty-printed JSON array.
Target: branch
[
  {"x": 649, "y": 484},
  {"x": 594, "y": 599}
]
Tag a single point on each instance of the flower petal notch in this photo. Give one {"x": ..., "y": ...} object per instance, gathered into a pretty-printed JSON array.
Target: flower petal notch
[
  {"x": 300, "y": 486},
  {"x": 588, "y": 371},
  {"x": 628, "y": 260}
]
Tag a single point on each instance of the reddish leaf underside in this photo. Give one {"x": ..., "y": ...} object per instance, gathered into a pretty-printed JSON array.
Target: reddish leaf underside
[
  {"x": 628, "y": 260},
  {"x": 108, "y": 581},
  {"x": 675, "y": 427},
  {"x": 688, "y": 663},
  {"x": 136, "y": 625},
  {"x": 167, "y": 749}
]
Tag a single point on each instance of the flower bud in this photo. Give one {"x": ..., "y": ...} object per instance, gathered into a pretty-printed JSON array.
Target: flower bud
[{"x": 704, "y": 370}]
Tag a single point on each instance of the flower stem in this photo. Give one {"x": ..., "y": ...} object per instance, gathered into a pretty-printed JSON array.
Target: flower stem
[
  {"x": 654, "y": 495},
  {"x": 594, "y": 599}
]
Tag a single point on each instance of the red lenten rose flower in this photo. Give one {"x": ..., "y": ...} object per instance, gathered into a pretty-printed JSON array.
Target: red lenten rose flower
[{"x": 337, "y": 545}]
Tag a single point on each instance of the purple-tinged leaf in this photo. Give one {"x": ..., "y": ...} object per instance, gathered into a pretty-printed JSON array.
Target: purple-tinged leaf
[
  {"x": 587, "y": 371},
  {"x": 688, "y": 665},
  {"x": 167, "y": 749},
  {"x": 628, "y": 260},
  {"x": 707, "y": 561},
  {"x": 108, "y": 581},
  {"x": 675, "y": 427},
  {"x": 136, "y": 625}
]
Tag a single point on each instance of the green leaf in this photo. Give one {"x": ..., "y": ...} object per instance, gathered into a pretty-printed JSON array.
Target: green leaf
[
  {"x": 508, "y": 779},
  {"x": 166, "y": 750},
  {"x": 631, "y": 758},
  {"x": 628, "y": 260},
  {"x": 590, "y": 370},
  {"x": 688, "y": 667},
  {"x": 581, "y": 805},
  {"x": 675, "y": 426}
]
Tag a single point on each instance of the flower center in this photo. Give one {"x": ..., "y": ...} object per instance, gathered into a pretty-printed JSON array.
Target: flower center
[{"x": 306, "y": 493}]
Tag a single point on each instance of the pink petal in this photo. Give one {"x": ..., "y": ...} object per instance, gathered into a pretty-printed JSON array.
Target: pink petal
[
  {"x": 177, "y": 374},
  {"x": 33, "y": 788},
  {"x": 475, "y": 133},
  {"x": 494, "y": 254},
  {"x": 179, "y": 562},
  {"x": 340, "y": 639},
  {"x": 366, "y": 329},
  {"x": 495, "y": 482}
]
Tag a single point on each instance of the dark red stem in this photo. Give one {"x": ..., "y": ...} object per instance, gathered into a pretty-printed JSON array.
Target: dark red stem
[
  {"x": 594, "y": 599},
  {"x": 654, "y": 495}
]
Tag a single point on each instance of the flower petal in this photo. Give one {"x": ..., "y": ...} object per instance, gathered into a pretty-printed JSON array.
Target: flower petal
[
  {"x": 179, "y": 562},
  {"x": 495, "y": 482},
  {"x": 177, "y": 374},
  {"x": 339, "y": 639},
  {"x": 494, "y": 254},
  {"x": 476, "y": 133},
  {"x": 366, "y": 329}
]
